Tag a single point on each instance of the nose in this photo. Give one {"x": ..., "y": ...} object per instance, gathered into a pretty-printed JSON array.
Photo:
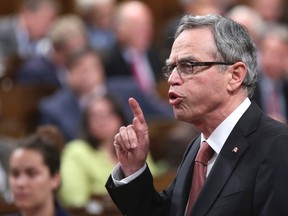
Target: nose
[
  {"x": 175, "y": 78},
  {"x": 20, "y": 181}
]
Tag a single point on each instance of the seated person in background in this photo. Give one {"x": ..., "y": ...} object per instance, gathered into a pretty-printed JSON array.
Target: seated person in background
[
  {"x": 66, "y": 35},
  {"x": 271, "y": 92},
  {"x": 133, "y": 55},
  {"x": 154, "y": 109},
  {"x": 7, "y": 145},
  {"x": 34, "y": 173},
  {"x": 98, "y": 16},
  {"x": 248, "y": 17},
  {"x": 87, "y": 162},
  {"x": 21, "y": 34},
  {"x": 134, "y": 63},
  {"x": 63, "y": 109}
]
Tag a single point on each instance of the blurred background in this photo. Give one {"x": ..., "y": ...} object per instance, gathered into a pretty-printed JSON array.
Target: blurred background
[{"x": 59, "y": 58}]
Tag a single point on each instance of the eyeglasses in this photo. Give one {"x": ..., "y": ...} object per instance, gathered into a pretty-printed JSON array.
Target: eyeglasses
[{"x": 186, "y": 68}]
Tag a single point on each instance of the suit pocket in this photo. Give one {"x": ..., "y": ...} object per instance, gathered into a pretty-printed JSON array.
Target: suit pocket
[
  {"x": 230, "y": 195},
  {"x": 229, "y": 199},
  {"x": 231, "y": 191}
]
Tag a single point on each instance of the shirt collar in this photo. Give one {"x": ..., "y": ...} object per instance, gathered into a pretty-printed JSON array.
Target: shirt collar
[{"x": 221, "y": 133}]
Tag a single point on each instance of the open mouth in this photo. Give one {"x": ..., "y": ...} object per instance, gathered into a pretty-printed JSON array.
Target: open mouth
[{"x": 174, "y": 99}]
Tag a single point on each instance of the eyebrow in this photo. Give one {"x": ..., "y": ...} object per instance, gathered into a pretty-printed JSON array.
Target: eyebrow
[{"x": 182, "y": 59}]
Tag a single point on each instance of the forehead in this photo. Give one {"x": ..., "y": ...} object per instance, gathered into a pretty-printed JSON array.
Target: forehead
[
  {"x": 26, "y": 157},
  {"x": 85, "y": 60},
  {"x": 197, "y": 44}
]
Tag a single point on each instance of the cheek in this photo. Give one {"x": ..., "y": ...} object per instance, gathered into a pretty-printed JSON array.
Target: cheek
[
  {"x": 96, "y": 76},
  {"x": 195, "y": 91},
  {"x": 39, "y": 192},
  {"x": 43, "y": 189},
  {"x": 38, "y": 30},
  {"x": 203, "y": 92},
  {"x": 12, "y": 184}
]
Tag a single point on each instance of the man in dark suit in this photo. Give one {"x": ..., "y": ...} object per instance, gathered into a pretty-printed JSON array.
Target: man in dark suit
[
  {"x": 66, "y": 35},
  {"x": 21, "y": 34},
  {"x": 211, "y": 72},
  {"x": 271, "y": 92},
  {"x": 64, "y": 109},
  {"x": 133, "y": 55},
  {"x": 135, "y": 60}
]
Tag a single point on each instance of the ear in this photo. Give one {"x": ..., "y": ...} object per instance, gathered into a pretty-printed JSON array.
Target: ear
[
  {"x": 55, "y": 181},
  {"x": 237, "y": 74}
]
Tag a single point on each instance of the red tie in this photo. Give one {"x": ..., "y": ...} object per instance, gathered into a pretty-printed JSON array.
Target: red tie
[
  {"x": 140, "y": 74},
  {"x": 273, "y": 102},
  {"x": 204, "y": 154}
]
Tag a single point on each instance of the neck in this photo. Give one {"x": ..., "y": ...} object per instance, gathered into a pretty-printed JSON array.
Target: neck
[
  {"x": 216, "y": 117},
  {"x": 46, "y": 209}
]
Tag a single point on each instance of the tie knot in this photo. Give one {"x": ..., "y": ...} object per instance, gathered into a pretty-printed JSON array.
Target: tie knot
[{"x": 205, "y": 153}]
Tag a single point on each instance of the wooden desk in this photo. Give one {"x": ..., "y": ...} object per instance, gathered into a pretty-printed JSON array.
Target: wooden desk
[
  {"x": 6, "y": 208},
  {"x": 18, "y": 108}
]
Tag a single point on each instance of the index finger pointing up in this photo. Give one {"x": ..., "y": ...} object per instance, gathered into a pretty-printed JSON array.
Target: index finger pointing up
[{"x": 136, "y": 109}]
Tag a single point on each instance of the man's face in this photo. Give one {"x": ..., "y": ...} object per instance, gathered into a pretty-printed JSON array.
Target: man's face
[
  {"x": 136, "y": 29},
  {"x": 39, "y": 21},
  {"x": 196, "y": 97},
  {"x": 86, "y": 74},
  {"x": 273, "y": 57}
]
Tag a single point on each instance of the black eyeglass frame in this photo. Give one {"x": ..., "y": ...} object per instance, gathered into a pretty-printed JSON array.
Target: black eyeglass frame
[{"x": 168, "y": 69}]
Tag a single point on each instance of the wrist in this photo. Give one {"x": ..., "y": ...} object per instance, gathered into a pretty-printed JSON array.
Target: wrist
[{"x": 130, "y": 170}]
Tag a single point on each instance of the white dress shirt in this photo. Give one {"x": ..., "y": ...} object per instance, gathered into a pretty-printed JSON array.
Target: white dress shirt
[{"x": 219, "y": 136}]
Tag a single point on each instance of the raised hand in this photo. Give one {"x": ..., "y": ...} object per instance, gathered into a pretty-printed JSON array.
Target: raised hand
[{"x": 132, "y": 142}]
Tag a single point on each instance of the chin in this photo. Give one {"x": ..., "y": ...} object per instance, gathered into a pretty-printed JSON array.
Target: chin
[
  {"x": 23, "y": 204},
  {"x": 179, "y": 116}
]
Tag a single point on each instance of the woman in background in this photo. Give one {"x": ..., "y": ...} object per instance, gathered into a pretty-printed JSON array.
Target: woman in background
[
  {"x": 87, "y": 162},
  {"x": 34, "y": 173}
]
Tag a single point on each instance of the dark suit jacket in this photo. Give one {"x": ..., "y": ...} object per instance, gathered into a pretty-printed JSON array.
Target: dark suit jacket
[
  {"x": 62, "y": 110},
  {"x": 250, "y": 182},
  {"x": 153, "y": 108},
  {"x": 40, "y": 70},
  {"x": 258, "y": 95}
]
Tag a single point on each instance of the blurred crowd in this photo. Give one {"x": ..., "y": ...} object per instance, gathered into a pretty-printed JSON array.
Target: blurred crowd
[{"x": 100, "y": 55}]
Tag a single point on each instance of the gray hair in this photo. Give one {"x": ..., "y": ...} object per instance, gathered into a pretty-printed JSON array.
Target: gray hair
[
  {"x": 85, "y": 6},
  {"x": 34, "y": 5},
  {"x": 232, "y": 40},
  {"x": 65, "y": 28},
  {"x": 276, "y": 30}
]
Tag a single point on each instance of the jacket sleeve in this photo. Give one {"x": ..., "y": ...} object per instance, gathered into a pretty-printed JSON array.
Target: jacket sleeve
[
  {"x": 271, "y": 183},
  {"x": 139, "y": 197}
]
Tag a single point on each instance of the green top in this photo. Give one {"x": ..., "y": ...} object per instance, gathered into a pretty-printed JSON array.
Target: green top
[{"x": 85, "y": 170}]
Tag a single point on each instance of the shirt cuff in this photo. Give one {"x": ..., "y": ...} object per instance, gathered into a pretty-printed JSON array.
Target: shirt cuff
[{"x": 118, "y": 176}]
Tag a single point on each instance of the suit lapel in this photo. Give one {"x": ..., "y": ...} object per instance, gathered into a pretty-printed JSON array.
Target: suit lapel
[
  {"x": 226, "y": 161},
  {"x": 219, "y": 175},
  {"x": 183, "y": 182}
]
